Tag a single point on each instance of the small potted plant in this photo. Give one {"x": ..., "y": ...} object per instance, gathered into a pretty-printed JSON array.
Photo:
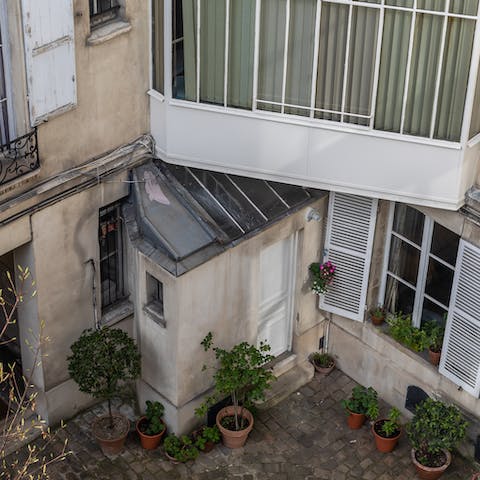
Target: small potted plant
[
  {"x": 322, "y": 276},
  {"x": 377, "y": 315},
  {"x": 435, "y": 333},
  {"x": 386, "y": 431},
  {"x": 241, "y": 375},
  {"x": 362, "y": 403},
  {"x": 401, "y": 329},
  {"x": 151, "y": 427},
  {"x": 323, "y": 362},
  {"x": 206, "y": 438},
  {"x": 433, "y": 432},
  {"x": 179, "y": 449},
  {"x": 101, "y": 361}
]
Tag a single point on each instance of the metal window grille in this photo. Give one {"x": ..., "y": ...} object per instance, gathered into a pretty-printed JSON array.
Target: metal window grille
[
  {"x": 112, "y": 275},
  {"x": 102, "y": 11}
]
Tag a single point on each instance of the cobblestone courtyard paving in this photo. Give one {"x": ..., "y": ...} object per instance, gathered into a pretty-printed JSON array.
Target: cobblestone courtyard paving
[{"x": 303, "y": 437}]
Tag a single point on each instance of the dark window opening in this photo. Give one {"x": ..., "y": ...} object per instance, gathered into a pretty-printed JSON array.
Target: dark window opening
[
  {"x": 155, "y": 296},
  {"x": 157, "y": 45},
  {"x": 102, "y": 11}
]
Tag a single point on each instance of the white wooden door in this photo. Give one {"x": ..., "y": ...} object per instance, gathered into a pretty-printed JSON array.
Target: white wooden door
[{"x": 277, "y": 268}]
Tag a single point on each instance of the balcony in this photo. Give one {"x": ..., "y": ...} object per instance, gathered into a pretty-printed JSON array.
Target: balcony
[{"x": 19, "y": 157}]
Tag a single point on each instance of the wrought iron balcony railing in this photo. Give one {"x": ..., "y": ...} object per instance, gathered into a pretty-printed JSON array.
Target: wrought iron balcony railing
[{"x": 19, "y": 157}]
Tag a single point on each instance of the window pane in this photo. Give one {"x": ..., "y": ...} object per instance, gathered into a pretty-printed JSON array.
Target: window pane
[
  {"x": 439, "y": 281},
  {"x": 393, "y": 67},
  {"x": 300, "y": 55},
  {"x": 466, "y": 7},
  {"x": 404, "y": 260},
  {"x": 398, "y": 297},
  {"x": 435, "y": 5},
  {"x": 361, "y": 63},
  {"x": 157, "y": 40},
  {"x": 240, "y": 63},
  {"x": 445, "y": 244},
  {"x": 400, "y": 3},
  {"x": 271, "y": 52},
  {"x": 423, "y": 74},
  {"x": 212, "y": 51},
  {"x": 454, "y": 79},
  {"x": 409, "y": 223},
  {"x": 331, "y": 59},
  {"x": 431, "y": 311}
]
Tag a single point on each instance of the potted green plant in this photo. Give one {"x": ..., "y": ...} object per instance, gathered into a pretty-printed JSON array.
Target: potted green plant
[
  {"x": 377, "y": 315},
  {"x": 321, "y": 276},
  {"x": 387, "y": 431},
  {"x": 241, "y": 374},
  {"x": 179, "y": 449},
  {"x": 101, "y": 361},
  {"x": 402, "y": 330},
  {"x": 362, "y": 403},
  {"x": 433, "y": 432},
  {"x": 435, "y": 333},
  {"x": 151, "y": 427},
  {"x": 206, "y": 437},
  {"x": 323, "y": 362}
]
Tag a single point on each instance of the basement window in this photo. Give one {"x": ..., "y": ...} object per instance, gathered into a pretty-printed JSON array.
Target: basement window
[
  {"x": 154, "y": 305},
  {"x": 103, "y": 11}
]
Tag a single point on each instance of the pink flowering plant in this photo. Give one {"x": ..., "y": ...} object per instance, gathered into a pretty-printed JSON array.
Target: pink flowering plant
[{"x": 322, "y": 276}]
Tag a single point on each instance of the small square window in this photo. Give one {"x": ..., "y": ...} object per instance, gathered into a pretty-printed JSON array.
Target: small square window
[
  {"x": 154, "y": 304},
  {"x": 102, "y": 11}
]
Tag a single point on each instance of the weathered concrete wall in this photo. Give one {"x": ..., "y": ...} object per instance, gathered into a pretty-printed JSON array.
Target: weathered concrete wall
[{"x": 220, "y": 296}]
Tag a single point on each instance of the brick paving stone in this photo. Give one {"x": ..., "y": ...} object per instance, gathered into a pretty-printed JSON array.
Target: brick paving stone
[{"x": 305, "y": 437}]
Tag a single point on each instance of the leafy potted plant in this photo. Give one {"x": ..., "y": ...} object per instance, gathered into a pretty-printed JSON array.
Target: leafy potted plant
[
  {"x": 322, "y": 276},
  {"x": 101, "y": 360},
  {"x": 151, "y": 427},
  {"x": 377, "y": 315},
  {"x": 241, "y": 375},
  {"x": 386, "y": 431},
  {"x": 205, "y": 438},
  {"x": 179, "y": 449},
  {"x": 323, "y": 362},
  {"x": 362, "y": 403},
  {"x": 435, "y": 333},
  {"x": 402, "y": 330},
  {"x": 434, "y": 430}
]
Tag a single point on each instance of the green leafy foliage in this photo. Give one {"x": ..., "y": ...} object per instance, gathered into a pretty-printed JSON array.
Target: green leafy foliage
[
  {"x": 363, "y": 400},
  {"x": 180, "y": 448},
  {"x": 154, "y": 414},
  {"x": 434, "y": 427},
  {"x": 435, "y": 333},
  {"x": 322, "y": 276},
  {"x": 390, "y": 427},
  {"x": 323, "y": 360},
  {"x": 101, "y": 359},
  {"x": 205, "y": 435},
  {"x": 241, "y": 374},
  {"x": 378, "y": 311},
  {"x": 402, "y": 330}
]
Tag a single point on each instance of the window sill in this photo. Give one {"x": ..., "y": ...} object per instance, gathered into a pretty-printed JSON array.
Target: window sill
[
  {"x": 153, "y": 312},
  {"x": 108, "y": 31},
  {"x": 117, "y": 312}
]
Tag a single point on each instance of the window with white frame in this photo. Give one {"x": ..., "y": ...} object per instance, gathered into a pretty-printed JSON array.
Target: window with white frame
[
  {"x": 157, "y": 45},
  {"x": 112, "y": 265},
  {"x": 401, "y": 66},
  {"x": 420, "y": 266}
]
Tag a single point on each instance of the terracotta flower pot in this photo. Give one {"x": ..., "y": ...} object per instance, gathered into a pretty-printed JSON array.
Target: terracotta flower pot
[
  {"x": 323, "y": 370},
  {"x": 434, "y": 357},
  {"x": 430, "y": 473},
  {"x": 355, "y": 420},
  {"x": 111, "y": 440},
  {"x": 232, "y": 438},
  {"x": 377, "y": 320},
  {"x": 149, "y": 442},
  {"x": 172, "y": 459},
  {"x": 384, "y": 444}
]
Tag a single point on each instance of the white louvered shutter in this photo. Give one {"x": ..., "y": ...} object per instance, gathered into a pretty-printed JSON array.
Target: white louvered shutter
[
  {"x": 460, "y": 361},
  {"x": 49, "y": 57},
  {"x": 348, "y": 244}
]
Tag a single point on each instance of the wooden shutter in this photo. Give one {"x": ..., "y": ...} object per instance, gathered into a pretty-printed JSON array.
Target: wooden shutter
[
  {"x": 460, "y": 360},
  {"x": 348, "y": 244},
  {"x": 49, "y": 57}
]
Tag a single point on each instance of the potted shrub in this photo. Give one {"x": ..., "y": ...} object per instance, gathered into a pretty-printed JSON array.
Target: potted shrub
[
  {"x": 323, "y": 362},
  {"x": 206, "y": 437},
  {"x": 179, "y": 449},
  {"x": 434, "y": 430},
  {"x": 321, "y": 276},
  {"x": 386, "y": 431},
  {"x": 101, "y": 360},
  {"x": 435, "y": 333},
  {"x": 151, "y": 427},
  {"x": 378, "y": 315},
  {"x": 362, "y": 403},
  {"x": 241, "y": 375}
]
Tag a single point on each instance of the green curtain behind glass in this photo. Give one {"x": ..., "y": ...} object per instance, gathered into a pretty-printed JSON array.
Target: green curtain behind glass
[
  {"x": 393, "y": 64},
  {"x": 241, "y": 48},
  {"x": 189, "y": 48}
]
